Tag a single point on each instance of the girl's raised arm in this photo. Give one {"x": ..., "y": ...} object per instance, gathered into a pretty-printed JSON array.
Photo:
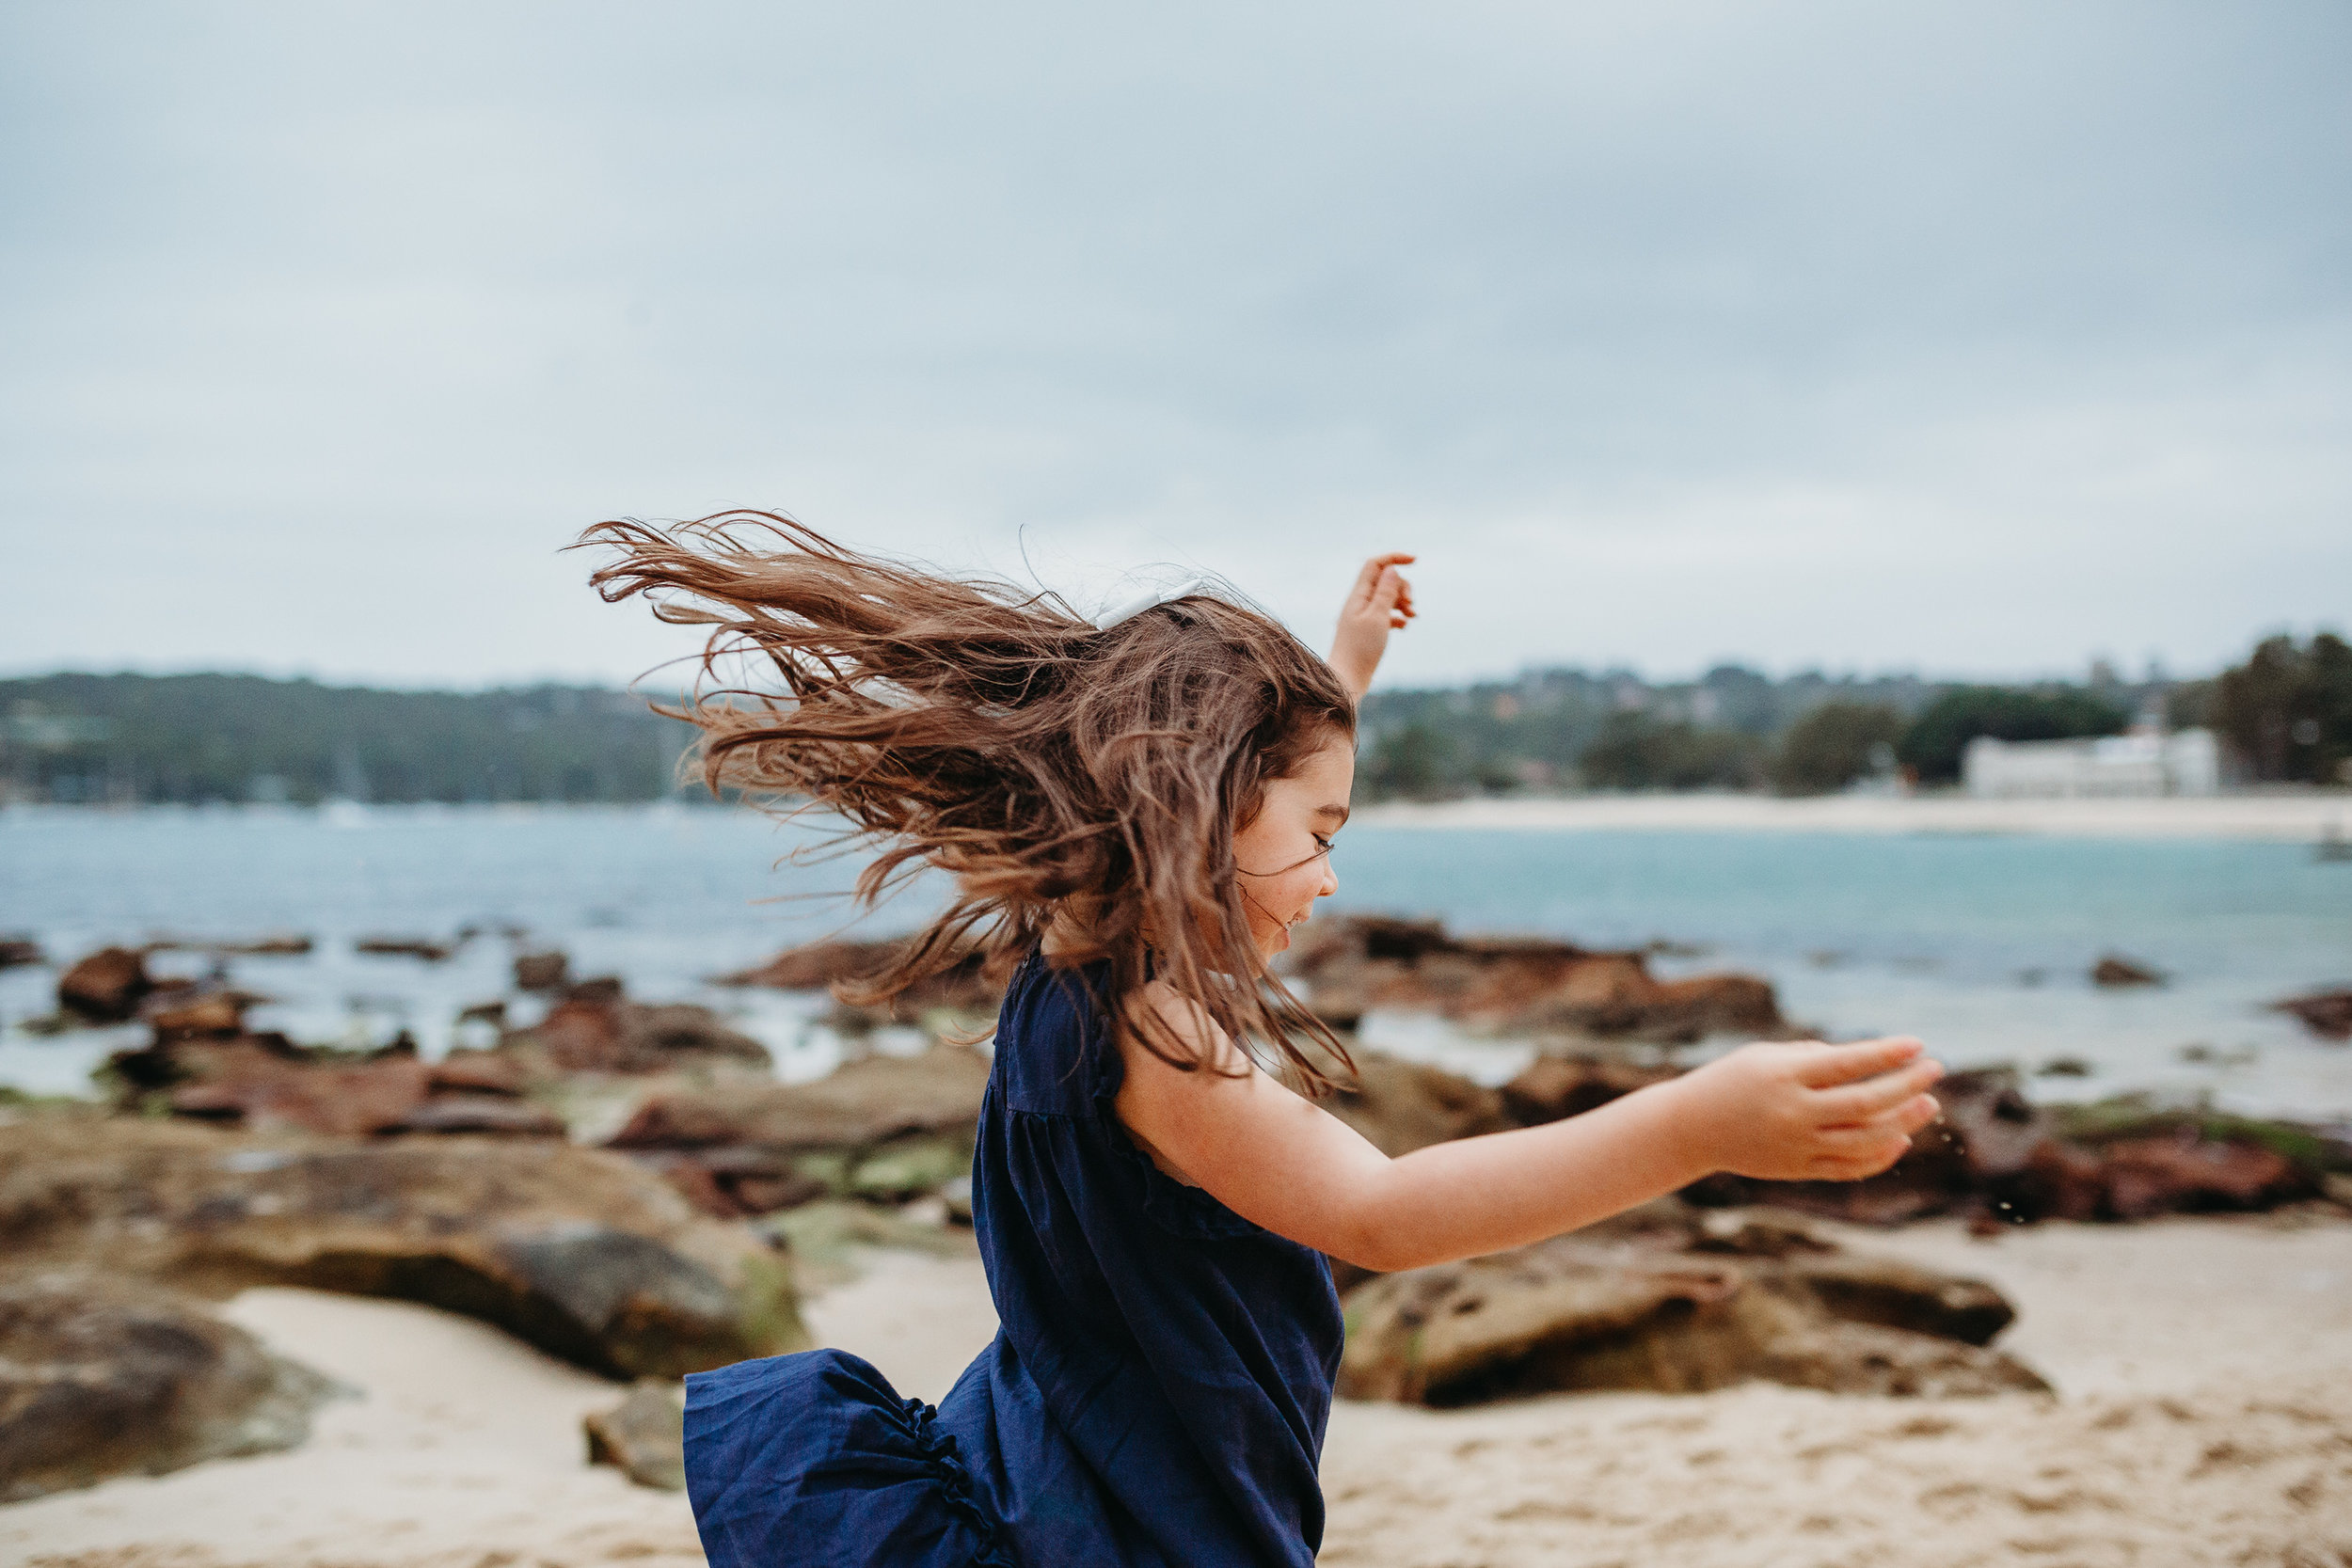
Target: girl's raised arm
[
  {"x": 1380, "y": 602},
  {"x": 1787, "y": 1112}
]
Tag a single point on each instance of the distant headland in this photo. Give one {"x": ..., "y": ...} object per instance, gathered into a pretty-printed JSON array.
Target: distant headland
[{"x": 2282, "y": 715}]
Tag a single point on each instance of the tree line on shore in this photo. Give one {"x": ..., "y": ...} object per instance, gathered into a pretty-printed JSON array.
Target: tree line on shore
[
  {"x": 200, "y": 738},
  {"x": 2284, "y": 714}
]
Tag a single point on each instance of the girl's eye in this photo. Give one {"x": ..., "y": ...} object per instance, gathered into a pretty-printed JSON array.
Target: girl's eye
[{"x": 1322, "y": 844}]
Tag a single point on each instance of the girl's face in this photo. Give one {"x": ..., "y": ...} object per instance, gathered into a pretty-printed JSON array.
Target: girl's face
[{"x": 1285, "y": 854}]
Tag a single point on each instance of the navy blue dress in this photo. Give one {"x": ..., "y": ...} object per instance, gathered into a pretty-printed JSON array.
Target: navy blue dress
[{"x": 1157, "y": 1393}]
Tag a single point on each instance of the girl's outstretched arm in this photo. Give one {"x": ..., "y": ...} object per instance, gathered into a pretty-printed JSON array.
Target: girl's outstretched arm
[
  {"x": 1784, "y": 1112},
  {"x": 1380, "y": 602}
]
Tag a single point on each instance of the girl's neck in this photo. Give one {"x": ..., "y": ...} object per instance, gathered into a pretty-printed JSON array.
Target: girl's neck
[
  {"x": 1066, "y": 932},
  {"x": 1061, "y": 935}
]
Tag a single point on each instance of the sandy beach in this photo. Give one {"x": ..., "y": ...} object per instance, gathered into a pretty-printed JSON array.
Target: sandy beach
[
  {"x": 2205, "y": 1417},
  {"x": 2290, "y": 818}
]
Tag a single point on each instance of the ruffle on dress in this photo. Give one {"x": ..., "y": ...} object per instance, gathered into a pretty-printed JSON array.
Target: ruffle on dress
[{"x": 821, "y": 1448}]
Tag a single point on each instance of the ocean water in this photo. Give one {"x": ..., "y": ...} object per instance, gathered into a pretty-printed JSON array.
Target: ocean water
[{"x": 1980, "y": 945}]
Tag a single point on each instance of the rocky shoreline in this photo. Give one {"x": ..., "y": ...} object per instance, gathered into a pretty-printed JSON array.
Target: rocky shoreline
[{"x": 624, "y": 1187}]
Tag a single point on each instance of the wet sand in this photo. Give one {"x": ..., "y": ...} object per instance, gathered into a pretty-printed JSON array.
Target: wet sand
[{"x": 2204, "y": 1416}]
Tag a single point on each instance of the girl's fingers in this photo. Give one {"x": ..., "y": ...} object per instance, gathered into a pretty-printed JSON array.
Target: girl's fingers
[
  {"x": 1874, "y": 1097},
  {"x": 1856, "y": 1143},
  {"x": 1846, "y": 1153},
  {"x": 1831, "y": 1065},
  {"x": 1368, "y": 580},
  {"x": 1825, "y": 1169},
  {"x": 1917, "y": 1114}
]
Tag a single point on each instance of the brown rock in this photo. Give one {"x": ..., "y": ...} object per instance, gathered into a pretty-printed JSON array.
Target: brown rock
[
  {"x": 596, "y": 1029},
  {"x": 581, "y": 1034},
  {"x": 2325, "y": 1013},
  {"x": 495, "y": 1115},
  {"x": 1572, "y": 1314},
  {"x": 842, "y": 966},
  {"x": 1554, "y": 1088},
  {"x": 886, "y": 1128},
  {"x": 864, "y": 1103},
  {"x": 241, "y": 1082},
  {"x": 106, "y": 987},
  {"x": 1842, "y": 1357},
  {"x": 2146, "y": 1177},
  {"x": 284, "y": 945},
  {"x": 733, "y": 1183},
  {"x": 102, "y": 1377},
  {"x": 278, "y": 945},
  {"x": 1713, "y": 1004},
  {"x": 218, "y": 1015},
  {"x": 537, "y": 971},
  {"x": 694, "y": 1182},
  {"x": 1762, "y": 1231},
  {"x": 764, "y": 1192},
  {"x": 586, "y": 1255},
  {"x": 16, "y": 951},
  {"x": 1351, "y": 965},
  {"x": 1896, "y": 1294},
  {"x": 643, "y": 1436},
  {"x": 2057, "y": 1181},
  {"x": 1547, "y": 1318},
  {"x": 2114, "y": 971},
  {"x": 406, "y": 947},
  {"x": 467, "y": 1072},
  {"x": 816, "y": 965}
]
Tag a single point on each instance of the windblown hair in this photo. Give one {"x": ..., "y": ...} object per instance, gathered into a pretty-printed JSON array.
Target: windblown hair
[{"x": 993, "y": 734}]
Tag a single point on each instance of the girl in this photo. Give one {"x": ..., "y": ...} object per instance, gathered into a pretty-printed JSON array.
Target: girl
[{"x": 1136, "y": 813}]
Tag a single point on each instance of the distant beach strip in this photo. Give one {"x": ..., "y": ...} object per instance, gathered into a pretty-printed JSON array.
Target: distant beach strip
[{"x": 2306, "y": 818}]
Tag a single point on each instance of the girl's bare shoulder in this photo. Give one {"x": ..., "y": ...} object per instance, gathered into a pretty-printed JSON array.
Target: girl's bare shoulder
[{"x": 1185, "y": 1029}]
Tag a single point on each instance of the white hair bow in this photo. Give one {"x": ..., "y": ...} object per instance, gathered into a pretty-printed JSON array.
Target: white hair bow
[{"x": 1133, "y": 607}]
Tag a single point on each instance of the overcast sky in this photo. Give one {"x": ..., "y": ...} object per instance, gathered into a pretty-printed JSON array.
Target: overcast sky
[{"x": 1969, "y": 338}]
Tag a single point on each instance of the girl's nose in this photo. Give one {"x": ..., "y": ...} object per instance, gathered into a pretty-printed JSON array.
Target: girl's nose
[{"x": 1330, "y": 881}]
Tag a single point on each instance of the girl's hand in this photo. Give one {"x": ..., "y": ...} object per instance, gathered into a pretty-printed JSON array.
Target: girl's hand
[
  {"x": 1381, "y": 602},
  {"x": 1809, "y": 1112}
]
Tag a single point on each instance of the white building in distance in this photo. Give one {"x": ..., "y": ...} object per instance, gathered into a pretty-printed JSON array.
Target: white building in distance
[{"x": 2145, "y": 762}]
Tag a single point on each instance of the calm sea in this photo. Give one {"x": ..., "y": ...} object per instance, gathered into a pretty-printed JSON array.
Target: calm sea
[{"x": 1980, "y": 945}]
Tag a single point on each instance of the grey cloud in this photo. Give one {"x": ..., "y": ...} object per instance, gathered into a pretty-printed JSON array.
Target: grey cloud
[{"x": 1976, "y": 336}]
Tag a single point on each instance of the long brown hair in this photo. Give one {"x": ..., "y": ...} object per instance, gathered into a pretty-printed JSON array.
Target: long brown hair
[{"x": 966, "y": 724}]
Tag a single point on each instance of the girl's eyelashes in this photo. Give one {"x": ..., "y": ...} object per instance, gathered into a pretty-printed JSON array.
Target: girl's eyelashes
[{"x": 1322, "y": 846}]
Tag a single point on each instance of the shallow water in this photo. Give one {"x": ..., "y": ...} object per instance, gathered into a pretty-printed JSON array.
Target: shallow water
[{"x": 1980, "y": 945}]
